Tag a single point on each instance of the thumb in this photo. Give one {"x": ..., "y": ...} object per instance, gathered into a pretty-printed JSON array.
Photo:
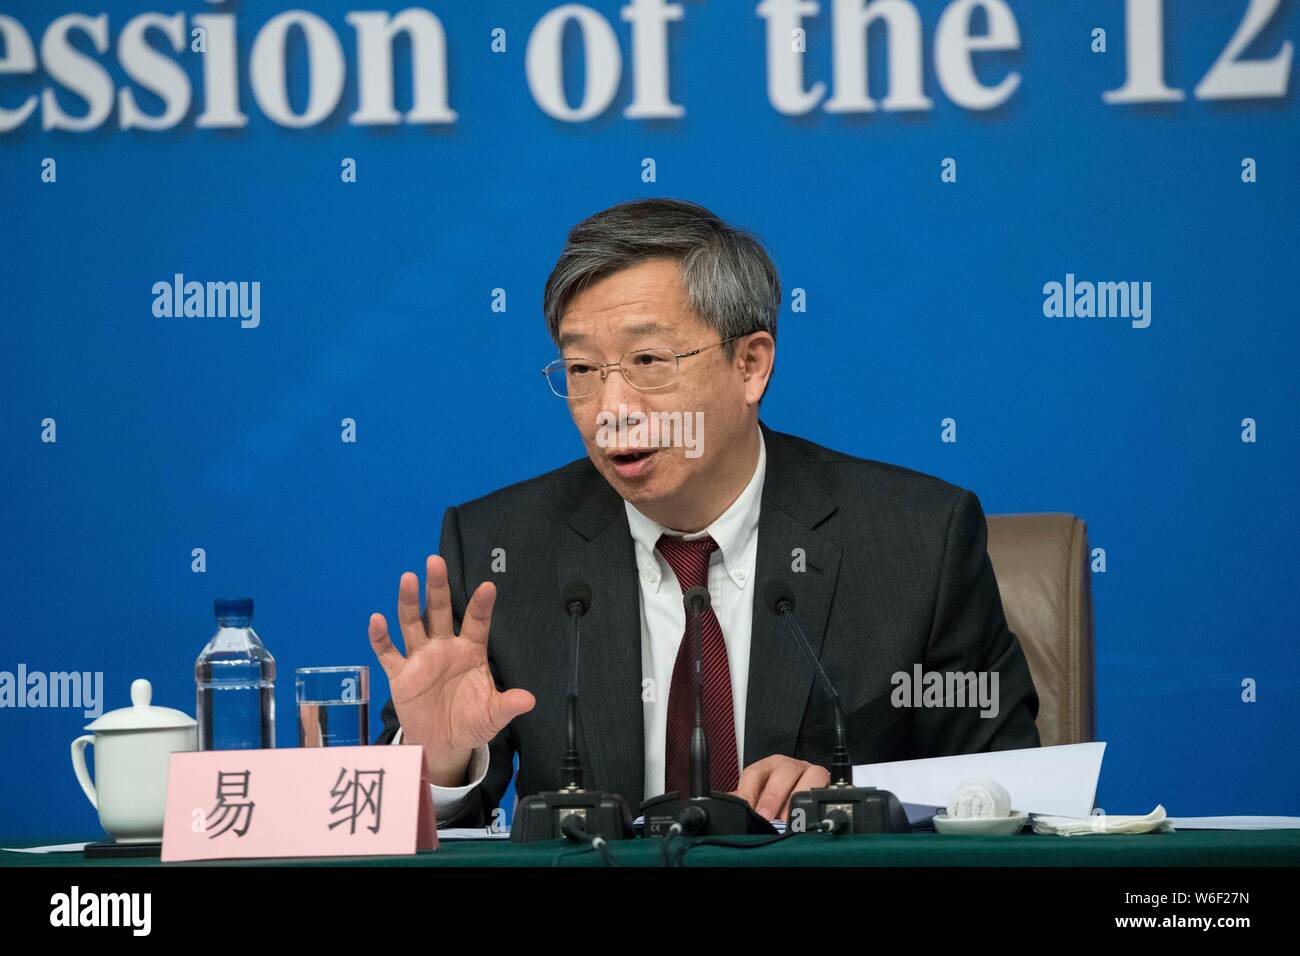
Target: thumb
[{"x": 508, "y": 705}]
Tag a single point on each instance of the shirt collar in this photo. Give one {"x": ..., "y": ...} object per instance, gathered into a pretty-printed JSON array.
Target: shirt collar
[{"x": 735, "y": 530}]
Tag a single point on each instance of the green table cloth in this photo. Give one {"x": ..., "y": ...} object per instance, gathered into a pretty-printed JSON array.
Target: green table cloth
[{"x": 1248, "y": 848}]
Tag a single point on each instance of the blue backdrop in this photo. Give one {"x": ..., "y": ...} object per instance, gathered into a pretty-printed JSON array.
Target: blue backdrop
[{"x": 924, "y": 301}]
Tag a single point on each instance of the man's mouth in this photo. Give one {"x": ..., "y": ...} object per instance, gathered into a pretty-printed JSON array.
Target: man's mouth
[{"x": 632, "y": 463}]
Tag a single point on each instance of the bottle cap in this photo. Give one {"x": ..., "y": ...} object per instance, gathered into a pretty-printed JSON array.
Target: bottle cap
[{"x": 233, "y": 612}]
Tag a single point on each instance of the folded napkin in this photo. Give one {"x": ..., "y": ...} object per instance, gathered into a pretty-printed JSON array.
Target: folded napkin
[
  {"x": 979, "y": 798},
  {"x": 1153, "y": 822}
]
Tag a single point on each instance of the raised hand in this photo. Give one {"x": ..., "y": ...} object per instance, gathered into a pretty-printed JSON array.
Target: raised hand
[{"x": 442, "y": 688}]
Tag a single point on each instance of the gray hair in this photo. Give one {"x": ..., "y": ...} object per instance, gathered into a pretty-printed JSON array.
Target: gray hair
[{"x": 730, "y": 280}]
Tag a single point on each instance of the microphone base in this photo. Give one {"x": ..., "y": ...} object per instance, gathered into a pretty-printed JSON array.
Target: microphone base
[
  {"x": 541, "y": 816},
  {"x": 869, "y": 809},
  {"x": 719, "y": 814}
]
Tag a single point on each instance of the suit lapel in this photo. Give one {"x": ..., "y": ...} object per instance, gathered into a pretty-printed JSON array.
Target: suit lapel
[
  {"x": 780, "y": 680},
  {"x": 609, "y": 670},
  {"x": 609, "y": 675}
]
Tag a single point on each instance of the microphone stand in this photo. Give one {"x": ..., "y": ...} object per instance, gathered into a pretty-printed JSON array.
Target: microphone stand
[
  {"x": 704, "y": 811},
  {"x": 572, "y": 811},
  {"x": 840, "y": 805}
]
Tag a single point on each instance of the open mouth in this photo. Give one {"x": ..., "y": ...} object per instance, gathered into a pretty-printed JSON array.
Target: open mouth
[{"x": 632, "y": 463}]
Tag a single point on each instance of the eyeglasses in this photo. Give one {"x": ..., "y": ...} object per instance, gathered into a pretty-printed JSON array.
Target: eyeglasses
[{"x": 644, "y": 369}]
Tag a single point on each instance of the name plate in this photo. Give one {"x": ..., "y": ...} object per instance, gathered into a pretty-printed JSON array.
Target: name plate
[{"x": 304, "y": 801}]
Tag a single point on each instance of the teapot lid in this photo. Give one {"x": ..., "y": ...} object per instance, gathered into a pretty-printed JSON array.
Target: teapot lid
[{"x": 141, "y": 715}]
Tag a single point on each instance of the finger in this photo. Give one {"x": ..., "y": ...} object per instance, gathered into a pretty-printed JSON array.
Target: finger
[
  {"x": 390, "y": 658},
  {"x": 779, "y": 786},
  {"x": 408, "y": 612},
  {"x": 478, "y": 614},
  {"x": 751, "y": 781},
  {"x": 437, "y": 599},
  {"x": 510, "y": 704},
  {"x": 813, "y": 777}
]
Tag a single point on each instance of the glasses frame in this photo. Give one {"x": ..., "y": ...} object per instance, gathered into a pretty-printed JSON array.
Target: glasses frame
[{"x": 601, "y": 367}]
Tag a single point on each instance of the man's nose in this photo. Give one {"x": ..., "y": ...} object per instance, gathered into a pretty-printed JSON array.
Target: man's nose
[{"x": 618, "y": 397}]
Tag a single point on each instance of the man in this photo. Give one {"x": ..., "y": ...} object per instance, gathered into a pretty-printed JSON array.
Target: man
[{"x": 666, "y": 315}]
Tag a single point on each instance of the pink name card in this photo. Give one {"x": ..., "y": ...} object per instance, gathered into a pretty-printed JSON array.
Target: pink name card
[{"x": 305, "y": 801}]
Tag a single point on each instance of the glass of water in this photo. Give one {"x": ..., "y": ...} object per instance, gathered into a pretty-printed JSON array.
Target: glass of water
[{"x": 333, "y": 706}]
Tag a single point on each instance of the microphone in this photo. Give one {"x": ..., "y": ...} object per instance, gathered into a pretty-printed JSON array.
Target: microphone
[
  {"x": 577, "y": 602},
  {"x": 842, "y": 806},
  {"x": 704, "y": 811},
  {"x": 780, "y": 600},
  {"x": 572, "y": 811}
]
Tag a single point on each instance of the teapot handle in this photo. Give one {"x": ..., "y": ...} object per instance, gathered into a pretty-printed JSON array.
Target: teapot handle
[{"x": 79, "y": 767}]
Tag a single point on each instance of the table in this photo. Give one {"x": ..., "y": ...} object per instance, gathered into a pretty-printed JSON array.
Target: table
[{"x": 1199, "y": 848}]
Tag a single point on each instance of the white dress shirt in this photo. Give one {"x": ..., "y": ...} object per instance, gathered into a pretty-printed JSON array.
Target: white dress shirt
[{"x": 663, "y": 623}]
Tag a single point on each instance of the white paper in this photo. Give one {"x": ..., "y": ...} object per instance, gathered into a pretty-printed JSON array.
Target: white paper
[
  {"x": 1061, "y": 781},
  {"x": 52, "y": 848},
  {"x": 472, "y": 833},
  {"x": 1157, "y": 821},
  {"x": 1235, "y": 823}
]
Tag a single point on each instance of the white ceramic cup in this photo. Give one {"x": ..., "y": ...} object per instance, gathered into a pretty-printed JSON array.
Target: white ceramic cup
[{"x": 131, "y": 758}]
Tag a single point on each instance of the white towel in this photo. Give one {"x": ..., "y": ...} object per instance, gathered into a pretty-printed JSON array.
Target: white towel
[
  {"x": 979, "y": 798},
  {"x": 1154, "y": 822}
]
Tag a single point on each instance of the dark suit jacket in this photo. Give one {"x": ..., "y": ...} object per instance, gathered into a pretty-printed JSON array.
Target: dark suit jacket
[{"x": 897, "y": 573}]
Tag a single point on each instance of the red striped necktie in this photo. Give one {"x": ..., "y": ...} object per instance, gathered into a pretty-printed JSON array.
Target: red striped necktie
[{"x": 690, "y": 562}]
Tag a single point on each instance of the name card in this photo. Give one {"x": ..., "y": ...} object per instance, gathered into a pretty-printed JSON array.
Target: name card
[{"x": 305, "y": 801}]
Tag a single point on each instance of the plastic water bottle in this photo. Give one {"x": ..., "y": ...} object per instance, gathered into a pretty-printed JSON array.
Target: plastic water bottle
[{"x": 235, "y": 680}]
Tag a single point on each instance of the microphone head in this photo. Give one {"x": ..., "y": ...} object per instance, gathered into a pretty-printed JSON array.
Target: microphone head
[
  {"x": 697, "y": 599},
  {"x": 779, "y": 597},
  {"x": 577, "y": 597}
]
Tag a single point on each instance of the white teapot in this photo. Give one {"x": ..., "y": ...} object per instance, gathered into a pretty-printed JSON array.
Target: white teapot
[{"x": 132, "y": 748}]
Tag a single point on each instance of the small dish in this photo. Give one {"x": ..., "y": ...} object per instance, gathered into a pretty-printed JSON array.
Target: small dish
[{"x": 983, "y": 826}]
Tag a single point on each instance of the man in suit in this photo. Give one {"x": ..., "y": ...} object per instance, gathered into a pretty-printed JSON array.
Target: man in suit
[{"x": 665, "y": 315}]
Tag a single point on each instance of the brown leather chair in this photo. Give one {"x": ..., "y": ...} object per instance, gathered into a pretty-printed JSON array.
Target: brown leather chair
[{"x": 1042, "y": 566}]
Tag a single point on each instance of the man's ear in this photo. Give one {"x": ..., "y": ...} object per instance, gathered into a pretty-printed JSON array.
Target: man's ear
[{"x": 755, "y": 357}]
